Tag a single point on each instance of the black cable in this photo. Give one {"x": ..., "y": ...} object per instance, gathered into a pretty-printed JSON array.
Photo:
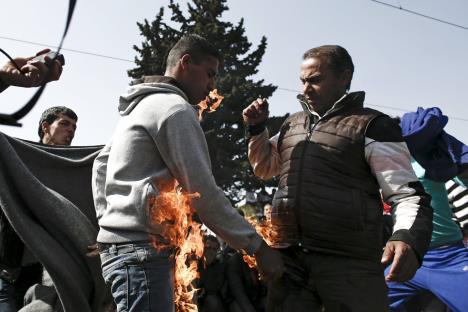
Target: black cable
[
  {"x": 11, "y": 60},
  {"x": 12, "y": 119}
]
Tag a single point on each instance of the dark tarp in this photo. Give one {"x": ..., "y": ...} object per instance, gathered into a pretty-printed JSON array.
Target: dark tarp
[{"x": 45, "y": 193}]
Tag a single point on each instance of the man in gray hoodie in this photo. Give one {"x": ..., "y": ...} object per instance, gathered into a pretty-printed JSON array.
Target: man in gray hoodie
[{"x": 159, "y": 140}]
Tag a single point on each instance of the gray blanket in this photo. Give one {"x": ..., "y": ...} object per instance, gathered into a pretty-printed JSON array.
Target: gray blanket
[{"x": 45, "y": 192}]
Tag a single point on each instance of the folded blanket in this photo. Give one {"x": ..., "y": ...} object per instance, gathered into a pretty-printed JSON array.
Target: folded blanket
[
  {"x": 45, "y": 192},
  {"x": 442, "y": 155}
]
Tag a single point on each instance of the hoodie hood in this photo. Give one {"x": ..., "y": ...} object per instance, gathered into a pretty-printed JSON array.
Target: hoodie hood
[{"x": 136, "y": 93}]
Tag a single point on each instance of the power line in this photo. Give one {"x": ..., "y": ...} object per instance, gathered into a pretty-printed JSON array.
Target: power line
[
  {"x": 65, "y": 49},
  {"x": 420, "y": 14},
  {"x": 375, "y": 105},
  {"x": 289, "y": 90},
  {"x": 125, "y": 60}
]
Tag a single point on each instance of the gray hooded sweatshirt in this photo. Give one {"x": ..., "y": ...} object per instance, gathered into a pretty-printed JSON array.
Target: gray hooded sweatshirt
[{"x": 159, "y": 139}]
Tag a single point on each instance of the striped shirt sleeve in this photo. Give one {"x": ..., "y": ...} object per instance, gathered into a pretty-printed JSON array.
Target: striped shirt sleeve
[
  {"x": 458, "y": 198},
  {"x": 264, "y": 156},
  {"x": 390, "y": 162}
]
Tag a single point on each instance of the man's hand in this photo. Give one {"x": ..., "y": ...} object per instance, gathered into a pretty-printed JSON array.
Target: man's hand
[
  {"x": 33, "y": 72},
  {"x": 405, "y": 263},
  {"x": 256, "y": 113},
  {"x": 270, "y": 263}
]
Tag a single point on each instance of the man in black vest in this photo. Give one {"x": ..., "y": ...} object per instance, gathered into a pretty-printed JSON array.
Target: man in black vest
[{"x": 334, "y": 159}]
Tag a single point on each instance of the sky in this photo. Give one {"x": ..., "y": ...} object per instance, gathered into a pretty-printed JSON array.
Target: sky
[{"x": 401, "y": 60}]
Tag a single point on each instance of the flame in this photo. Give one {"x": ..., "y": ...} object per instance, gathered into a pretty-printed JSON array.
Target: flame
[
  {"x": 267, "y": 231},
  {"x": 172, "y": 209},
  {"x": 214, "y": 99}
]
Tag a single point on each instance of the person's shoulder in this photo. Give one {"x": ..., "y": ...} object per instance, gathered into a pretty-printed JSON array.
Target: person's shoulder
[
  {"x": 383, "y": 128},
  {"x": 167, "y": 104}
]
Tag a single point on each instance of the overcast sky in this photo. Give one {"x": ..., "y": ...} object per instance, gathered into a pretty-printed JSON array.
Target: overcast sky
[{"x": 402, "y": 61}]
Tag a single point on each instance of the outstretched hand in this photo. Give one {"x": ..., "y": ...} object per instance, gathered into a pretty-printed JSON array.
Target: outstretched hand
[
  {"x": 404, "y": 264},
  {"x": 33, "y": 72}
]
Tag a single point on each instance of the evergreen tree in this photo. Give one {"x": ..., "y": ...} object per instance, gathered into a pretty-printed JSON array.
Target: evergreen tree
[{"x": 224, "y": 129}]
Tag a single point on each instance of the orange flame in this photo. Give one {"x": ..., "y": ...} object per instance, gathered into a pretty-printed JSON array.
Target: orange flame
[
  {"x": 181, "y": 232},
  {"x": 214, "y": 99},
  {"x": 267, "y": 231}
]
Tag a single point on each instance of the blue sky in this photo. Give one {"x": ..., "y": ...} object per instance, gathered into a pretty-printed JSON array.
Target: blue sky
[{"x": 402, "y": 60}]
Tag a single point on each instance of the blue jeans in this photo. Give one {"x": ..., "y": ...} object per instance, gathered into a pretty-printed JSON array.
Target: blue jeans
[
  {"x": 7, "y": 296},
  {"x": 141, "y": 279}
]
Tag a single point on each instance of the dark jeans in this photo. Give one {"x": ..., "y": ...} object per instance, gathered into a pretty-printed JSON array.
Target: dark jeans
[
  {"x": 141, "y": 278},
  {"x": 313, "y": 281},
  {"x": 12, "y": 294},
  {"x": 7, "y": 296}
]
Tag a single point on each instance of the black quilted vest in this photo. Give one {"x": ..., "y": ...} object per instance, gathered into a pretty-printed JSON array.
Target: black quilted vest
[{"x": 327, "y": 199}]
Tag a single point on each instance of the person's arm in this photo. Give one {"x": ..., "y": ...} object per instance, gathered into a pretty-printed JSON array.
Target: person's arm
[
  {"x": 183, "y": 147},
  {"x": 457, "y": 190},
  {"x": 263, "y": 154},
  {"x": 33, "y": 73},
  {"x": 389, "y": 159}
]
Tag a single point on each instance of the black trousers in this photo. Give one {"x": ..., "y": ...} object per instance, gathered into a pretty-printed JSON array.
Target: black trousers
[{"x": 319, "y": 282}]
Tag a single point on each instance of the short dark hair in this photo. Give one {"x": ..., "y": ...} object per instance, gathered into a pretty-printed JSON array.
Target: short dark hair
[
  {"x": 51, "y": 114},
  {"x": 335, "y": 56},
  {"x": 197, "y": 46}
]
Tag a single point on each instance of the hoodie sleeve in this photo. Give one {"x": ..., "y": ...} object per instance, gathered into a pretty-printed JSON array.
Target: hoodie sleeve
[
  {"x": 183, "y": 147},
  {"x": 390, "y": 162}
]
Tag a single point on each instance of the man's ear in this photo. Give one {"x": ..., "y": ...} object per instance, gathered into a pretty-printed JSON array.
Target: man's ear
[
  {"x": 45, "y": 127},
  {"x": 346, "y": 77},
  {"x": 184, "y": 61}
]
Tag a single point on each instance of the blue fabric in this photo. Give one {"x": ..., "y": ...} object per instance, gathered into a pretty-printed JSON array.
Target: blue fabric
[
  {"x": 442, "y": 155},
  {"x": 444, "y": 272},
  {"x": 141, "y": 278}
]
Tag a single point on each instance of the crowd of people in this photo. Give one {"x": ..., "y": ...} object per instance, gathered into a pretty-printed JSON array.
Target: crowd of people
[{"x": 338, "y": 164}]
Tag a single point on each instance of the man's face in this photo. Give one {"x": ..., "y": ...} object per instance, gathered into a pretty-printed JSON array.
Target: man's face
[
  {"x": 59, "y": 132},
  {"x": 199, "y": 79},
  {"x": 321, "y": 86},
  {"x": 210, "y": 251}
]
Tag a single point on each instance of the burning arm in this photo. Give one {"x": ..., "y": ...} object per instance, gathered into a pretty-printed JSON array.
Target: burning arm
[
  {"x": 263, "y": 155},
  {"x": 184, "y": 150},
  {"x": 389, "y": 159}
]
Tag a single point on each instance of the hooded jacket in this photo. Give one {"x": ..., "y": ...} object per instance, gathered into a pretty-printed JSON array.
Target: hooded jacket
[{"x": 158, "y": 141}]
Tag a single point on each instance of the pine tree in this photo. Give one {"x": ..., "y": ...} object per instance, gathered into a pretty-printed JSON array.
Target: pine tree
[{"x": 224, "y": 129}]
